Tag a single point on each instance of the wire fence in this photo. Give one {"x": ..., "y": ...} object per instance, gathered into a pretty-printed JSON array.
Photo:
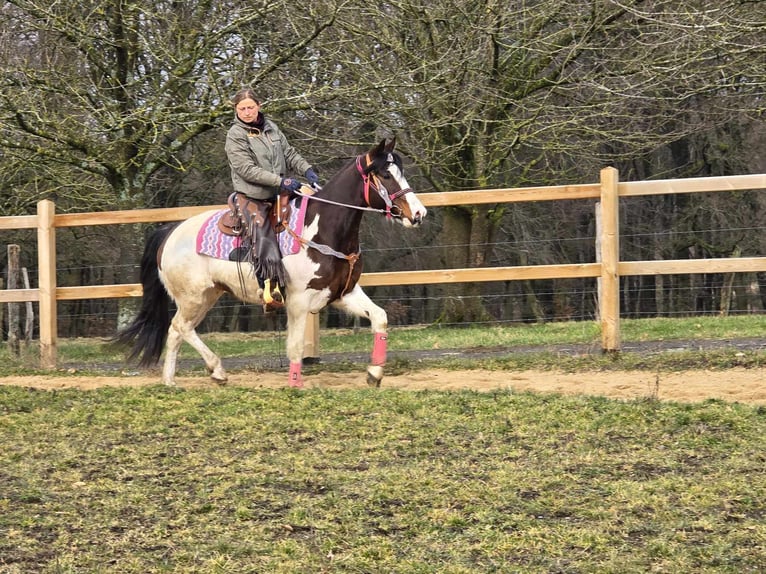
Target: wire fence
[
  {"x": 505, "y": 303},
  {"x": 561, "y": 240},
  {"x": 99, "y": 317}
]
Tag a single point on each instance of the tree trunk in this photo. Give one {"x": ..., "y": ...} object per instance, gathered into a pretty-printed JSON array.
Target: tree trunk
[
  {"x": 753, "y": 294},
  {"x": 468, "y": 234},
  {"x": 659, "y": 283},
  {"x": 130, "y": 239},
  {"x": 533, "y": 303},
  {"x": 13, "y": 308},
  {"x": 727, "y": 289}
]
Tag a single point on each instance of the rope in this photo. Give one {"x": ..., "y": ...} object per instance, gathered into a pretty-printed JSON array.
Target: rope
[
  {"x": 339, "y": 204},
  {"x": 327, "y": 250}
]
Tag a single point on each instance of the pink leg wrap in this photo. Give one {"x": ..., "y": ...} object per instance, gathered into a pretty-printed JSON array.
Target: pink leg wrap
[
  {"x": 295, "y": 375},
  {"x": 379, "y": 347}
]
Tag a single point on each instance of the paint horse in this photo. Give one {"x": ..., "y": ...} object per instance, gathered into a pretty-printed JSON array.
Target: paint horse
[{"x": 321, "y": 257}]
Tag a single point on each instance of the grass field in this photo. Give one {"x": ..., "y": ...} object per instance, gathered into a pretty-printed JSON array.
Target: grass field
[
  {"x": 158, "y": 480},
  {"x": 234, "y": 480}
]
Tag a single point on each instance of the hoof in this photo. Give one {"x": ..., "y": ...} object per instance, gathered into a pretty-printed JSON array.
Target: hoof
[
  {"x": 219, "y": 377},
  {"x": 374, "y": 376},
  {"x": 169, "y": 383}
]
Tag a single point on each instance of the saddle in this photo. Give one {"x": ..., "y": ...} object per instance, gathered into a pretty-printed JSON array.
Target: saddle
[
  {"x": 242, "y": 210},
  {"x": 257, "y": 223}
]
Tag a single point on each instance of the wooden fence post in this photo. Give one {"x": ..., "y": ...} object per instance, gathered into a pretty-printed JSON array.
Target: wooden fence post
[
  {"x": 29, "y": 316},
  {"x": 609, "y": 240},
  {"x": 311, "y": 339},
  {"x": 46, "y": 261},
  {"x": 14, "y": 279}
]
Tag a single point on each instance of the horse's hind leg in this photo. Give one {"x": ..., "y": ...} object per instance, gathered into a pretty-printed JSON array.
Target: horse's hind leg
[
  {"x": 182, "y": 328},
  {"x": 358, "y": 303}
]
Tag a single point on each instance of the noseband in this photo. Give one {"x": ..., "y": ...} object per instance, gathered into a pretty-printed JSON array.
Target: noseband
[{"x": 371, "y": 180}]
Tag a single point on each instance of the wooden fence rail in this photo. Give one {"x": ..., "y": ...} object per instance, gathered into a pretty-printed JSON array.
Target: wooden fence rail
[{"x": 608, "y": 268}]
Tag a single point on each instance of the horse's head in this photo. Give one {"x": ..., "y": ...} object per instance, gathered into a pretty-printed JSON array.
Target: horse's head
[{"x": 386, "y": 186}]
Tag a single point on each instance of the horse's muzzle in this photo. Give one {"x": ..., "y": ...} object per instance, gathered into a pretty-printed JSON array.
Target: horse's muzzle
[{"x": 411, "y": 212}]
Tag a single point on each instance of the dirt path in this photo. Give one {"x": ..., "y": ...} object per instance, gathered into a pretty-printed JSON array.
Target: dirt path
[{"x": 745, "y": 386}]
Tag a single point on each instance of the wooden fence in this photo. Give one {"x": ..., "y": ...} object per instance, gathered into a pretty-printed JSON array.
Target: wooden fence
[{"x": 607, "y": 269}]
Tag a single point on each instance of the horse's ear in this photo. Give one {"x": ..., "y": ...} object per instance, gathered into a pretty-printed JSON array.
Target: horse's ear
[{"x": 384, "y": 147}]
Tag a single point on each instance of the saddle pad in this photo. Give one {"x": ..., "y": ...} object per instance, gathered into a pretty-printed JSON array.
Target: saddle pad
[
  {"x": 288, "y": 245},
  {"x": 213, "y": 243}
]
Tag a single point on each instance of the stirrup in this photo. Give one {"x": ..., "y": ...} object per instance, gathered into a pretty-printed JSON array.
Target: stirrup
[{"x": 272, "y": 297}]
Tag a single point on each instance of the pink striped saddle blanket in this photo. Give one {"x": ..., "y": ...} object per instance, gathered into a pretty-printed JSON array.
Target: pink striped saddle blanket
[{"x": 213, "y": 243}]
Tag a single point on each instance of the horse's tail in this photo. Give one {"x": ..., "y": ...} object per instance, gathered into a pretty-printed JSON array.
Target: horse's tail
[{"x": 149, "y": 330}]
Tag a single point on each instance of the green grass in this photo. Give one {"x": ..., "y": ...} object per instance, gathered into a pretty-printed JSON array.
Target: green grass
[
  {"x": 90, "y": 355},
  {"x": 157, "y": 480},
  {"x": 738, "y": 326},
  {"x": 233, "y": 480}
]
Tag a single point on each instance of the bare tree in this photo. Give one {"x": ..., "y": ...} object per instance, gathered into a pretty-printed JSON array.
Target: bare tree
[
  {"x": 501, "y": 94},
  {"x": 99, "y": 97},
  {"x": 108, "y": 93}
]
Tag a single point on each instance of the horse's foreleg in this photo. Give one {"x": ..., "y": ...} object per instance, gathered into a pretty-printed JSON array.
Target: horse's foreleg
[
  {"x": 358, "y": 303},
  {"x": 296, "y": 331}
]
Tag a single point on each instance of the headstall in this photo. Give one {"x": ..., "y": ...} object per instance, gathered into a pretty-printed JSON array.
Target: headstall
[{"x": 371, "y": 180}]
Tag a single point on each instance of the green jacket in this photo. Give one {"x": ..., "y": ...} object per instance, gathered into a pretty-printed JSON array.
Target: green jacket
[{"x": 259, "y": 160}]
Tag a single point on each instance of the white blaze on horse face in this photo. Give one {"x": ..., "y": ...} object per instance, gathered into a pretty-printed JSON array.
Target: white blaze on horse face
[{"x": 417, "y": 209}]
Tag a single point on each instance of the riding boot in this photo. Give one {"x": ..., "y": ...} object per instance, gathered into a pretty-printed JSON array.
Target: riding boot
[{"x": 267, "y": 259}]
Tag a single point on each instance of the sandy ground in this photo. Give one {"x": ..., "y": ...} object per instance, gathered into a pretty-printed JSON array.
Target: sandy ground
[{"x": 740, "y": 385}]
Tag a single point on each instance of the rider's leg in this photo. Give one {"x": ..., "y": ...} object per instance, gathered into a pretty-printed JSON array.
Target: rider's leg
[{"x": 267, "y": 257}]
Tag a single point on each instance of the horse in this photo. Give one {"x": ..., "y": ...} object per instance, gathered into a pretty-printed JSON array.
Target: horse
[{"x": 322, "y": 269}]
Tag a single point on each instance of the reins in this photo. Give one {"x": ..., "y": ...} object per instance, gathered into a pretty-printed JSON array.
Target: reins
[
  {"x": 370, "y": 181},
  {"x": 338, "y": 203}
]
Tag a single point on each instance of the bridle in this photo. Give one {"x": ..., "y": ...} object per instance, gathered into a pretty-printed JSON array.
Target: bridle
[{"x": 371, "y": 181}]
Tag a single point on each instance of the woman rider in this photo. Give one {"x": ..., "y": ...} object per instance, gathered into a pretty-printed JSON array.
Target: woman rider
[{"x": 262, "y": 161}]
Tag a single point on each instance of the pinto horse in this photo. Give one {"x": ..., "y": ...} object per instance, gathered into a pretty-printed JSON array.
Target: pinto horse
[{"x": 323, "y": 268}]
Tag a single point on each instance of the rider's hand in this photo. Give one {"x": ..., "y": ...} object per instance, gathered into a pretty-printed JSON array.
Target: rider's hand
[
  {"x": 312, "y": 177},
  {"x": 289, "y": 184}
]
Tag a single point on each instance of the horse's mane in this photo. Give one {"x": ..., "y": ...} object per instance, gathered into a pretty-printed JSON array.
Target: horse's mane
[{"x": 378, "y": 162}]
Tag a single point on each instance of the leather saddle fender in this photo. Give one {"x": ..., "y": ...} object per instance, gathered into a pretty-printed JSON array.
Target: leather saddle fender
[{"x": 242, "y": 209}]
